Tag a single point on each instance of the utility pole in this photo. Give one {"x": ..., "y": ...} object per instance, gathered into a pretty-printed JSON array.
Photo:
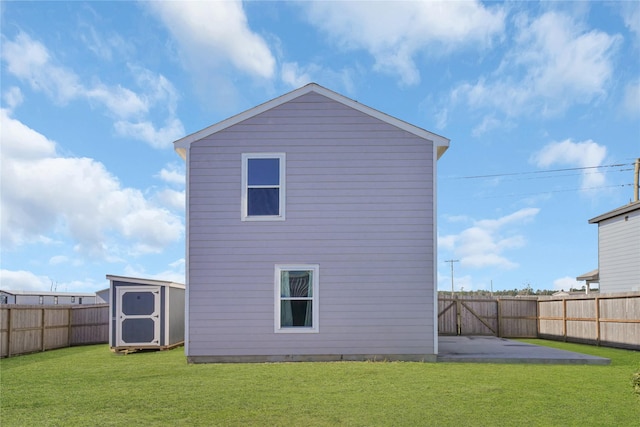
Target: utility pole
[
  {"x": 636, "y": 181},
  {"x": 451, "y": 261}
]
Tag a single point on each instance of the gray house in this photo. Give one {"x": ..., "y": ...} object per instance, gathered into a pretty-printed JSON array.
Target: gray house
[
  {"x": 311, "y": 234},
  {"x": 619, "y": 249},
  {"x": 8, "y": 296}
]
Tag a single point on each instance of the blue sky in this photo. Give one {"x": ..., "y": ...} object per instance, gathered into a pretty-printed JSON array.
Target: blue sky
[{"x": 538, "y": 99}]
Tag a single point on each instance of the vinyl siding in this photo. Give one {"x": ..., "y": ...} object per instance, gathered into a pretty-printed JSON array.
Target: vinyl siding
[
  {"x": 619, "y": 253},
  {"x": 359, "y": 202}
]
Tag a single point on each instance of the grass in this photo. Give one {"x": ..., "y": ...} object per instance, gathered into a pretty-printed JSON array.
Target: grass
[{"x": 92, "y": 386}]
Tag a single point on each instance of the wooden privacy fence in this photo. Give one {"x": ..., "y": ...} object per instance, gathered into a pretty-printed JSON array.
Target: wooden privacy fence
[
  {"x": 611, "y": 320},
  {"x": 603, "y": 319},
  {"x": 28, "y": 328},
  {"x": 501, "y": 317}
]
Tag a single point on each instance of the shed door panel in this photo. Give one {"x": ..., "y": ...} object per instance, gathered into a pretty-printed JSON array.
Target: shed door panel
[{"x": 139, "y": 316}]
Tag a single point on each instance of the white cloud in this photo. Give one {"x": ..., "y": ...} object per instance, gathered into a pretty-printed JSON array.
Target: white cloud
[
  {"x": 631, "y": 14},
  {"x": 29, "y": 60},
  {"x": 121, "y": 102},
  {"x": 553, "y": 64},
  {"x": 173, "y": 174},
  {"x": 58, "y": 259},
  {"x": 565, "y": 283},
  {"x": 631, "y": 102},
  {"x": 44, "y": 195},
  {"x": 21, "y": 280},
  {"x": 12, "y": 97},
  {"x": 296, "y": 75},
  {"x": 293, "y": 75},
  {"x": 104, "y": 47},
  {"x": 485, "y": 242},
  {"x": 488, "y": 123},
  {"x": 146, "y": 131},
  {"x": 172, "y": 199},
  {"x": 175, "y": 272},
  {"x": 585, "y": 154},
  {"x": 394, "y": 33},
  {"x": 210, "y": 33}
]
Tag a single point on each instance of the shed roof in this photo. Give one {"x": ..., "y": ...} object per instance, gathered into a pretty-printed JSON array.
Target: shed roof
[
  {"x": 141, "y": 281},
  {"x": 633, "y": 206},
  {"x": 183, "y": 144}
]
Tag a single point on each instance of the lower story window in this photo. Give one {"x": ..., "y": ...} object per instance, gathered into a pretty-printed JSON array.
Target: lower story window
[{"x": 296, "y": 298}]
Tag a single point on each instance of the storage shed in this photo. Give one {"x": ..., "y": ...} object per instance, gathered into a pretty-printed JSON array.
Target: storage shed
[{"x": 145, "y": 314}]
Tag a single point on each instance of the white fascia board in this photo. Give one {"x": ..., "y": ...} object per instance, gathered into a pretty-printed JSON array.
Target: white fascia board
[
  {"x": 633, "y": 206},
  {"x": 183, "y": 144},
  {"x": 136, "y": 280}
]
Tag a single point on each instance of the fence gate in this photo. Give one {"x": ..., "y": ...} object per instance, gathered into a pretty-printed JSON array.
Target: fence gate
[
  {"x": 138, "y": 317},
  {"x": 468, "y": 316}
]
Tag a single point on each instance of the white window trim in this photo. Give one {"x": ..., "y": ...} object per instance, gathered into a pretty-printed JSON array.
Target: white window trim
[
  {"x": 315, "y": 298},
  {"x": 282, "y": 187}
]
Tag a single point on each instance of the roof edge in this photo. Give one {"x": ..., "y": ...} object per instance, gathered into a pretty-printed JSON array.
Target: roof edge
[
  {"x": 47, "y": 293},
  {"x": 591, "y": 276},
  {"x": 616, "y": 212},
  {"x": 144, "y": 281},
  {"x": 182, "y": 145}
]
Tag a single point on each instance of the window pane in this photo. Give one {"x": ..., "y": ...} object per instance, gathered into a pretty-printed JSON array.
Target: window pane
[
  {"x": 296, "y": 313},
  {"x": 263, "y": 201},
  {"x": 263, "y": 172},
  {"x": 299, "y": 286}
]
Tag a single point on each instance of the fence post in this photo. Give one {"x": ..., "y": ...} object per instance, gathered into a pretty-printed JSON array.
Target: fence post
[
  {"x": 69, "y": 314},
  {"x": 9, "y": 334},
  {"x": 597, "y": 300},
  {"x": 459, "y": 316},
  {"x": 42, "y": 324},
  {"x": 564, "y": 319},
  {"x": 499, "y": 312},
  {"x": 538, "y": 317}
]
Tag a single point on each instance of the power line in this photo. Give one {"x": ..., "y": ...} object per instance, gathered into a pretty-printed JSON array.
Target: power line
[
  {"x": 543, "y": 172},
  {"x": 567, "y": 174},
  {"x": 555, "y": 191}
]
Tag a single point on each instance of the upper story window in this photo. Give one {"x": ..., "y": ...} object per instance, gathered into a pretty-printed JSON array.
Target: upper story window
[{"x": 263, "y": 186}]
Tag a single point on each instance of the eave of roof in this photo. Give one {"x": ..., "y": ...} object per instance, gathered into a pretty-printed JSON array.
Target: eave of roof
[
  {"x": 183, "y": 144},
  {"x": 592, "y": 276},
  {"x": 144, "y": 281},
  {"x": 633, "y": 206}
]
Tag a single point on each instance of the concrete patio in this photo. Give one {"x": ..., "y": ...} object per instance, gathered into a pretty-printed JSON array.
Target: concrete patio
[{"x": 488, "y": 349}]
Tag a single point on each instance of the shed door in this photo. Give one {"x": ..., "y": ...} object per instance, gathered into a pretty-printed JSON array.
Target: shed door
[{"x": 138, "y": 316}]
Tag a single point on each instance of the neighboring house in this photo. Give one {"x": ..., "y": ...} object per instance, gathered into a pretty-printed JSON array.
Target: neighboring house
[
  {"x": 589, "y": 278},
  {"x": 619, "y": 249},
  {"x": 46, "y": 298},
  {"x": 311, "y": 234}
]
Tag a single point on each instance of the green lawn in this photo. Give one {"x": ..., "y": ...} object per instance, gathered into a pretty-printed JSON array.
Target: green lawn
[{"x": 90, "y": 386}]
